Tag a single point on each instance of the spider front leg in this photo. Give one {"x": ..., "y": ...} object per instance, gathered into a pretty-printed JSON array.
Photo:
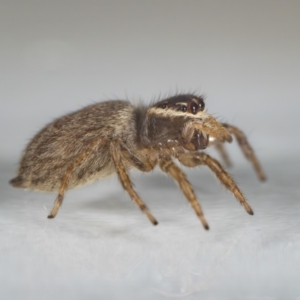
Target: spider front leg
[
  {"x": 220, "y": 147},
  {"x": 223, "y": 153},
  {"x": 247, "y": 149},
  {"x": 125, "y": 180},
  {"x": 195, "y": 159},
  {"x": 169, "y": 167}
]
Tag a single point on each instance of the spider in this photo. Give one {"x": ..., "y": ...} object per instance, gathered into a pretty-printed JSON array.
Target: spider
[{"x": 116, "y": 136}]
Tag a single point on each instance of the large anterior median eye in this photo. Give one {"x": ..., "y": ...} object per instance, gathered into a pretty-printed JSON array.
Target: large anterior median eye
[{"x": 194, "y": 107}]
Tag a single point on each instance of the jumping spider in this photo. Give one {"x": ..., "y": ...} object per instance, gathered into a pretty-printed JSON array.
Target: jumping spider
[{"x": 115, "y": 136}]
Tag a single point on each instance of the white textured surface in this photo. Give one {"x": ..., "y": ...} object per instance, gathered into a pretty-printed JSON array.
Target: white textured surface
[{"x": 100, "y": 245}]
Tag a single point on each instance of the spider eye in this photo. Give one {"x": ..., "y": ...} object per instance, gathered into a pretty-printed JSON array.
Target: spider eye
[
  {"x": 201, "y": 105},
  {"x": 183, "y": 108},
  {"x": 194, "y": 107},
  {"x": 164, "y": 106}
]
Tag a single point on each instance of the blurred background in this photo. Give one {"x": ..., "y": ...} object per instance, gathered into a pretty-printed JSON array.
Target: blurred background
[{"x": 58, "y": 56}]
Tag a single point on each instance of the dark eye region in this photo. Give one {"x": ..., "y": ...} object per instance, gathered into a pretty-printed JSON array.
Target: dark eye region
[
  {"x": 194, "y": 107},
  {"x": 183, "y": 108},
  {"x": 185, "y": 102}
]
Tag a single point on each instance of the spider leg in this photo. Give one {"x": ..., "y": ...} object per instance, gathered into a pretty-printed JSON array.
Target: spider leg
[
  {"x": 125, "y": 180},
  {"x": 67, "y": 176},
  {"x": 196, "y": 158},
  {"x": 247, "y": 149},
  {"x": 220, "y": 147},
  {"x": 224, "y": 154},
  {"x": 138, "y": 161},
  {"x": 169, "y": 167}
]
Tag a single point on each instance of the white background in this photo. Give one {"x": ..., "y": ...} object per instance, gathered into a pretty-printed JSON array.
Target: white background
[{"x": 58, "y": 56}]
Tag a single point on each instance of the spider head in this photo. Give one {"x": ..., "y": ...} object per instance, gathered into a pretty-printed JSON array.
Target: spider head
[
  {"x": 175, "y": 111},
  {"x": 180, "y": 119}
]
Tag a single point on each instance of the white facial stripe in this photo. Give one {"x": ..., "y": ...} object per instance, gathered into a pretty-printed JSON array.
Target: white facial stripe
[{"x": 173, "y": 113}]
